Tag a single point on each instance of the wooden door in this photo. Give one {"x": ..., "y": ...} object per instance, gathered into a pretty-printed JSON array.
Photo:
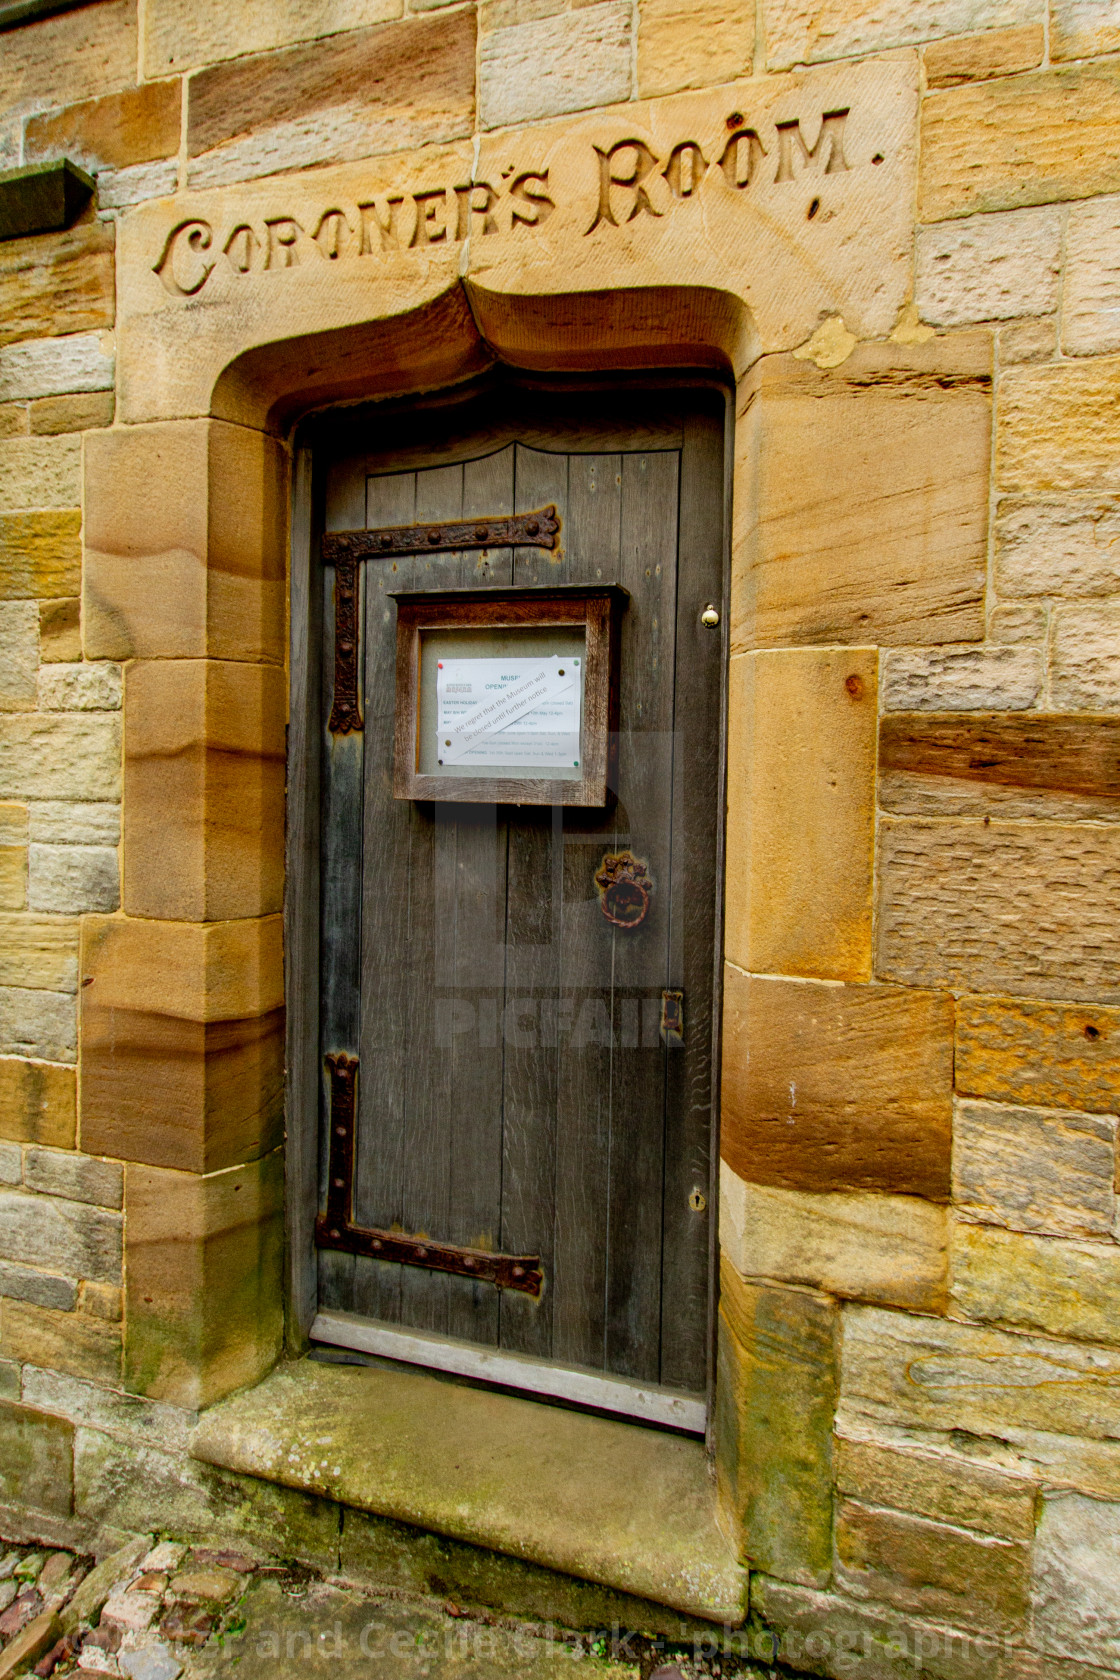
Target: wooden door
[{"x": 516, "y": 1090}]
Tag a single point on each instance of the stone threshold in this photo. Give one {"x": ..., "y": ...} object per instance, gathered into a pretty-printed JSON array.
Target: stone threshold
[{"x": 626, "y": 1507}]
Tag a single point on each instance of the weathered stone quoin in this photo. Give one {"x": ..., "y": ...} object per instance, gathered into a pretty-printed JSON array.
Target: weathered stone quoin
[{"x": 893, "y": 232}]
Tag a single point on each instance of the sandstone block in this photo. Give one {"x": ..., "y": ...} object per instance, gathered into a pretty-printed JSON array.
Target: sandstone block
[
  {"x": 13, "y": 877},
  {"x": 38, "y": 1024},
  {"x": 93, "y": 687},
  {"x": 47, "y": 367},
  {"x": 204, "y": 789},
  {"x": 989, "y": 268},
  {"x": 1057, "y": 427},
  {"x": 117, "y": 189},
  {"x": 809, "y": 30},
  {"x": 103, "y": 1300},
  {"x": 73, "y": 1343},
  {"x": 968, "y": 905},
  {"x": 353, "y": 95},
  {"x": 11, "y": 1163},
  {"x": 1091, "y": 289},
  {"x": 40, "y": 554},
  {"x": 42, "y": 1289},
  {"x": 60, "y": 630},
  {"x": 55, "y": 283},
  {"x": 201, "y": 571},
  {"x": 1057, "y": 546},
  {"x": 1050, "y": 1054},
  {"x": 75, "y": 822},
  {"x": 938, "y": 1374},
  {"x": 40, "y": 473},
  {"x": 932, "y": 1569},
  {"x": 39, "y": 952},
  {"x": 204, "y": 1311},
  {"x": 904, "y": 428},
  {"x": 19, "y": 655},
  {"x": 779, "y": 1400},
  {"x": 961, "y": 679},
  {"x": 1075, "y": 1601},
  {"x": 1085, "y": 658},
  {"x": 1013, "y": 624},
  {"x": 941, "y": 1485},
  {"x": 1053, "y": 1284},
  {"x": 72, "y": 879},
  {"x": 37, "y": 1102},
  {"x": 1034, "y": 139},
  {"x": 129, "y": 1417},
  {"x": 888, "y": 1249},
  {"x": 13, "y": 823},
  {"x": 1033, "y": 1169},
  {"x": 76, "y": 412},
  {"x": 36, "y": 1460},
  {"x": 79, "y": 1178},
  {"x": 831, "y": 1088},
  {"x": 571, "y": 62},
  {"x": 57, "y": 59},
  {"x": 976, "y": 58},
  {"x": 681, "y": 45},
  {"x": 60, "y": 756},
  {"x": 1028, "y": 341},
  {"x": 59, "y": 1235},
  {"x": 132, "y": 126},
  {"x": 182, "y": 34},
  {"x": 183, "y": 1041},
  {"x": 801, "y": 816},
  {"x": 1080, "y": 28}
]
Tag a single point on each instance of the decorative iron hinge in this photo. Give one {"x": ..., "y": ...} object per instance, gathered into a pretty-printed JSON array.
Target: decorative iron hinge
[
  {"x": 346, "y": 550},
  {"x": 335, "y": 1228}
]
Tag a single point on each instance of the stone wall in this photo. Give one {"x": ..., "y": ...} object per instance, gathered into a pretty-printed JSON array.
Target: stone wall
[{"x": 919, "y": 1328}]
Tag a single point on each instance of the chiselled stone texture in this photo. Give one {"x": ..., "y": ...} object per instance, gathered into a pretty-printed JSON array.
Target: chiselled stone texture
[
  {"x": 683, "y": 44},
  {"x": 41, "y": 1289},
  {"x": 802, "y": 31},
  {"x": 40, "y": 554},
  {"x": 1055, "y": 1285},
  {"x": 72, "y": 1342},
  {"x": 19, "y": 655},
  {"x": 60, "y": 630},
  {"x": 969, "y": 905},
  {"x": 37, "y": 1102},
  {"x": 72, "y": 879},
  {"x": 1058, "y": 428},
  {"x": 831, "y": 1087},
  {"x": 1027, "y": 341},
  {"x": 198, "y": 570},
  {"x": 569, "y": 62},
  {"x": 937, "y": 1484},
  {"x": 1085, "y": 658},
  {"x": 54, "y": 283},
  {"x": 1075, "y": 1572},
  {"x": 1035, "y": 1169},
  {"x": 961, "y": 679},
  {"x": 801, "y": 820},
  {"x": 976, "y": 58},
  {"x": 40, "y": 473},
  {"x": 60, "y": 755},
  {"x": 778, "y": 1370},
  {"x": 1057, "y": 546},
  {"x": 182, "y": 1041},
  {"x": 80, "y": 1178},
  {"x": 931, "y": 1568},
  {"x": 896, "y": 433},
  {"x": 1081, "y": 28},
  {"x": 856, "y": 1244},
  {"x": 45, "y": 367},
  {"x": 76, "y": 822},
  {"x": 388, "y": 89},
  {"x": 40, "y": 952},
  {"x": 80, "y": 411},
  {"x": 36, "y": 1460},
  {"x": 38, "y": 1024},
  {"x": 204, "y": 1310},
  {"x": 54, "y": 60},
  {"x": 989, "y": 268},
  {"x": 1091, "y": 286},
  {"x": 133, "y": 126},
  {"x": 89, "y": 687},
  {"x": 182, "y": 34},
  {"x": 203, "y": 789},
  {"x": 60, "y": 1235},
  {"x": 1033, "y": 139},
  {"x": 1052, "y": 1055}
]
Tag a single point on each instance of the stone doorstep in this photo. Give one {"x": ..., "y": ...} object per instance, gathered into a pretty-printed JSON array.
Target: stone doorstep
[{"x": 627, "y": 1507}]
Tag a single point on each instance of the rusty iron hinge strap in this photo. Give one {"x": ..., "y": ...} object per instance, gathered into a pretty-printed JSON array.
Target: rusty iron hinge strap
[
  {"x": 335, "y": 1228},
  {"x": 345, "y": 550}
]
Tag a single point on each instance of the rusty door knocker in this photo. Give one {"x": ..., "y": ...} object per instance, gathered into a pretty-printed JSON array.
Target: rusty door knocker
[{"x": 625, "y": 886}]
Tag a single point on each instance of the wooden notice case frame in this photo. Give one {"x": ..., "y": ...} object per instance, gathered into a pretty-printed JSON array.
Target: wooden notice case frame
[{"x": 594, "y": 611}]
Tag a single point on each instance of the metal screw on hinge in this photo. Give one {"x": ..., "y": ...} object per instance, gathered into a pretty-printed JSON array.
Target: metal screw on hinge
[{"x": 709, "y": 618}]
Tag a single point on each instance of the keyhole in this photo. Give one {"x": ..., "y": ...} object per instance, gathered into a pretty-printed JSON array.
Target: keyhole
[{"x": 697, "y": 1201}]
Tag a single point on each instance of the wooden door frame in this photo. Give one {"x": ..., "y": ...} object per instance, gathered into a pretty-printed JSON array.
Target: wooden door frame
[{"x": 302, "y": 837}]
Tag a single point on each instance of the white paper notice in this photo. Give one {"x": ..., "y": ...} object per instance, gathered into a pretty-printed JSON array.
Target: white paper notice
[{"x": 523, "y": 712}]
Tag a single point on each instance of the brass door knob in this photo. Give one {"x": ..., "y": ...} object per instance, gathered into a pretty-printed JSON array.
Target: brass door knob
[{"x": 709, "y": 618}]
